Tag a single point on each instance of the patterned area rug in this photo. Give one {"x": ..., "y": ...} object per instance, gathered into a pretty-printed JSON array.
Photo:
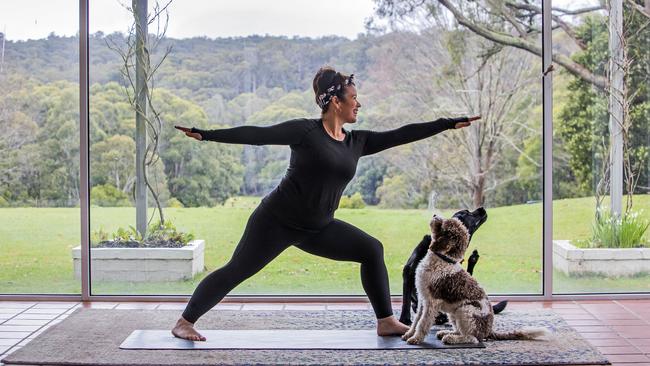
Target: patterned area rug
[{"x": 93, "y": 337}]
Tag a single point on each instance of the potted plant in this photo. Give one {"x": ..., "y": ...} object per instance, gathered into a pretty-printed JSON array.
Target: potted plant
[
  {"x": 616, "y": 248},
  {"x": 164, "y": 254}
]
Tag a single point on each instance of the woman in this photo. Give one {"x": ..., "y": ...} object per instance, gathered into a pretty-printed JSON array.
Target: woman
[{"x": 300, "y": 210}]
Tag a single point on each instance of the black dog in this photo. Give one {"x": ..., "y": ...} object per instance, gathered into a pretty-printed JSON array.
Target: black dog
[{"x": 472, "y": 221}]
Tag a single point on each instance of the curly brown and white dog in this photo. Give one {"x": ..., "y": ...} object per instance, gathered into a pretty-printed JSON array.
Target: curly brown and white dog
[{"x": 444, "y": 286}]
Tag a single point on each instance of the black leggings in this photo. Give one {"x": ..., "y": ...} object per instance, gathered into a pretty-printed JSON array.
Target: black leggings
[{"x": 265, "y": 238}]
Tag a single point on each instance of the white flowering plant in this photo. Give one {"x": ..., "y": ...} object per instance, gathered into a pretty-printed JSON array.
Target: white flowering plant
[{"x": 624, "y": 231}]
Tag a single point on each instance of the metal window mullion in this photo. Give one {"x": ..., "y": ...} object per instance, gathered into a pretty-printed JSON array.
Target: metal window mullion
[
  {"x": 83, "y": 150},
  {"x": 547, "y": 143}
]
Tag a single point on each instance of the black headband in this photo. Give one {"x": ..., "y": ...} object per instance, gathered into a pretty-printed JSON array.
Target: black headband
[{"x": 324, "y": 98}]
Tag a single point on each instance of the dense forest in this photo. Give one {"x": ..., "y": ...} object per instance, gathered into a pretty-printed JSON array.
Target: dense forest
[{"x": 402, "y": 77}]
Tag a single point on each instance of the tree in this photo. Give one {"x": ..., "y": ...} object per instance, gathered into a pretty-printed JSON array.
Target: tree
[
  {"x": 511, "y": 23},
  {"x": 266, "y": 165},
  {"x": 198, "y": 174},
  {"x": 112, "y": 162},
  {"x": 518, "y": 24},
  {"x": 444, "y": 70},
  {"x": 583, "y": 119},
  {"x": 395, "y": 192},
  {"x": 370, "y": 175},
  {"x": 20, "y": 131}
]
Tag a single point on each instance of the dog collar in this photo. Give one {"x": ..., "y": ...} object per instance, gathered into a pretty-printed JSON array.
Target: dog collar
[{"x": 445, "y": 258}]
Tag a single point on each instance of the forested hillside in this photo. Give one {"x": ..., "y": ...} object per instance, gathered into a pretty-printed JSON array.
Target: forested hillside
[{"x": 401, "y": 78}]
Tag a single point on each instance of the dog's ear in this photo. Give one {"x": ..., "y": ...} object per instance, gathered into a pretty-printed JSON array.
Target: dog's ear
[{"x": 436, "y": 225}]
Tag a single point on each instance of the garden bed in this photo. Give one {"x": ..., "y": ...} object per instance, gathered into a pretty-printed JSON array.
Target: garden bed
[
  {"x": 610, "y": 262},
  {"x": 143, "y": 264}
]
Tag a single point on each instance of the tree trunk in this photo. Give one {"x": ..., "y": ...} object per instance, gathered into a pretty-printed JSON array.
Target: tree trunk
[
  {"x": 140, "y": 7},
  {"x": 616, "y": 100},
  {"x": 478, "y": 178}
]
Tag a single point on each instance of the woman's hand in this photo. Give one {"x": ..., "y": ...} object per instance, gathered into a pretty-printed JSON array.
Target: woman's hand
[
  {"x": 189, "y": 133},
  {"x": 468, "y": 123}
]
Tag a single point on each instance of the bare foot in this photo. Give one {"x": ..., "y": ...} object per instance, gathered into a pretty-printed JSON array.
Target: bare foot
[
  {"x": 391, "y": 326},
  {"x": 184, "y": 329}
]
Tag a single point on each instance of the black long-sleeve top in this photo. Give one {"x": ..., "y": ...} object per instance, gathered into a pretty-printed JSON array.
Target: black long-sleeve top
[{"x": 320, "y": 166}]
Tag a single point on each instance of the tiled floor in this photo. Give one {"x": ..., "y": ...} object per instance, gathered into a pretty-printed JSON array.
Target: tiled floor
[{"x": 620, "y": 329}]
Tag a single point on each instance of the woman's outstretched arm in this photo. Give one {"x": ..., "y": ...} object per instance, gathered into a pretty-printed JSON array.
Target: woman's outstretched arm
[
  {"x": 377, "y": 141},
  {"x": 284, "y": 133}
]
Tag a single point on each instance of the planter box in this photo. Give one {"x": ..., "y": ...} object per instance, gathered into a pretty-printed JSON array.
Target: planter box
[
  {"x": 143, "y": 264},
  {"x": 603, "y": 261}
]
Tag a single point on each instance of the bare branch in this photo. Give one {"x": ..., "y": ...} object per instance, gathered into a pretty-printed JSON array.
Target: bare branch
[
  {"x": 508, "y": 40},
  {"x": 642, "y": 10},
  {"x": 588, "y": 9}
]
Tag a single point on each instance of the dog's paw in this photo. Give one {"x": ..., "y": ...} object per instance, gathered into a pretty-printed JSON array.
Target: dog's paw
[
  {"x": 415, "y": 340},
  {"x": 459, "y": 339},
  {"x": 442, "y": 333},
  {"x": 407, "y": 335},
  {"x": 448, "y": 339}
]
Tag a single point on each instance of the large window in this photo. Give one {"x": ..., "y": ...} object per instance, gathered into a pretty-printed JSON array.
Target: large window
[
  {"x": 226, "y": 77},
  {"x": 39, "y": 147},
  {"x": 601, "y": 176}
]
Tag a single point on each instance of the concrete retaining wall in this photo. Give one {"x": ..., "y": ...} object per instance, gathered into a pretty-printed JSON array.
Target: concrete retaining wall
[
  {"x": 143, "y": 264},
  {"x": 608, "y": 262}
]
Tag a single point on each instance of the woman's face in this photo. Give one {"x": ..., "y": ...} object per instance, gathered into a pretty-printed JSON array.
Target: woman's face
[{"x": 348, "y": 106}]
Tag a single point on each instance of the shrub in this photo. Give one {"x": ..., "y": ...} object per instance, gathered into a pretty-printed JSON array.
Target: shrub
[
  {"x": 107, "y": 195},
  {"x": 395, "y": 192},
  {"x": 354, "y": 201},
  {"x": 173, "y": 202}
]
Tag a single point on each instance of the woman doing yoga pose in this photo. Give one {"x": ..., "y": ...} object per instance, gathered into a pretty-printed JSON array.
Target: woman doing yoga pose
[{"x": 300, "y": 210}]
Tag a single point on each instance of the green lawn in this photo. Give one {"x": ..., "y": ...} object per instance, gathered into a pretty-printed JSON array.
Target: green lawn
[{"x": 35, "y": 244}]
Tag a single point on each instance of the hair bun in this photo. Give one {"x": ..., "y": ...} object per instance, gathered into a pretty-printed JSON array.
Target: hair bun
[{"x": 329, "y": 83}]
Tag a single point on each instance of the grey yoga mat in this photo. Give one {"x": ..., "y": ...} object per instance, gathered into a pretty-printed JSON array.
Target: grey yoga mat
[{"x": 280, "y": 339}]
